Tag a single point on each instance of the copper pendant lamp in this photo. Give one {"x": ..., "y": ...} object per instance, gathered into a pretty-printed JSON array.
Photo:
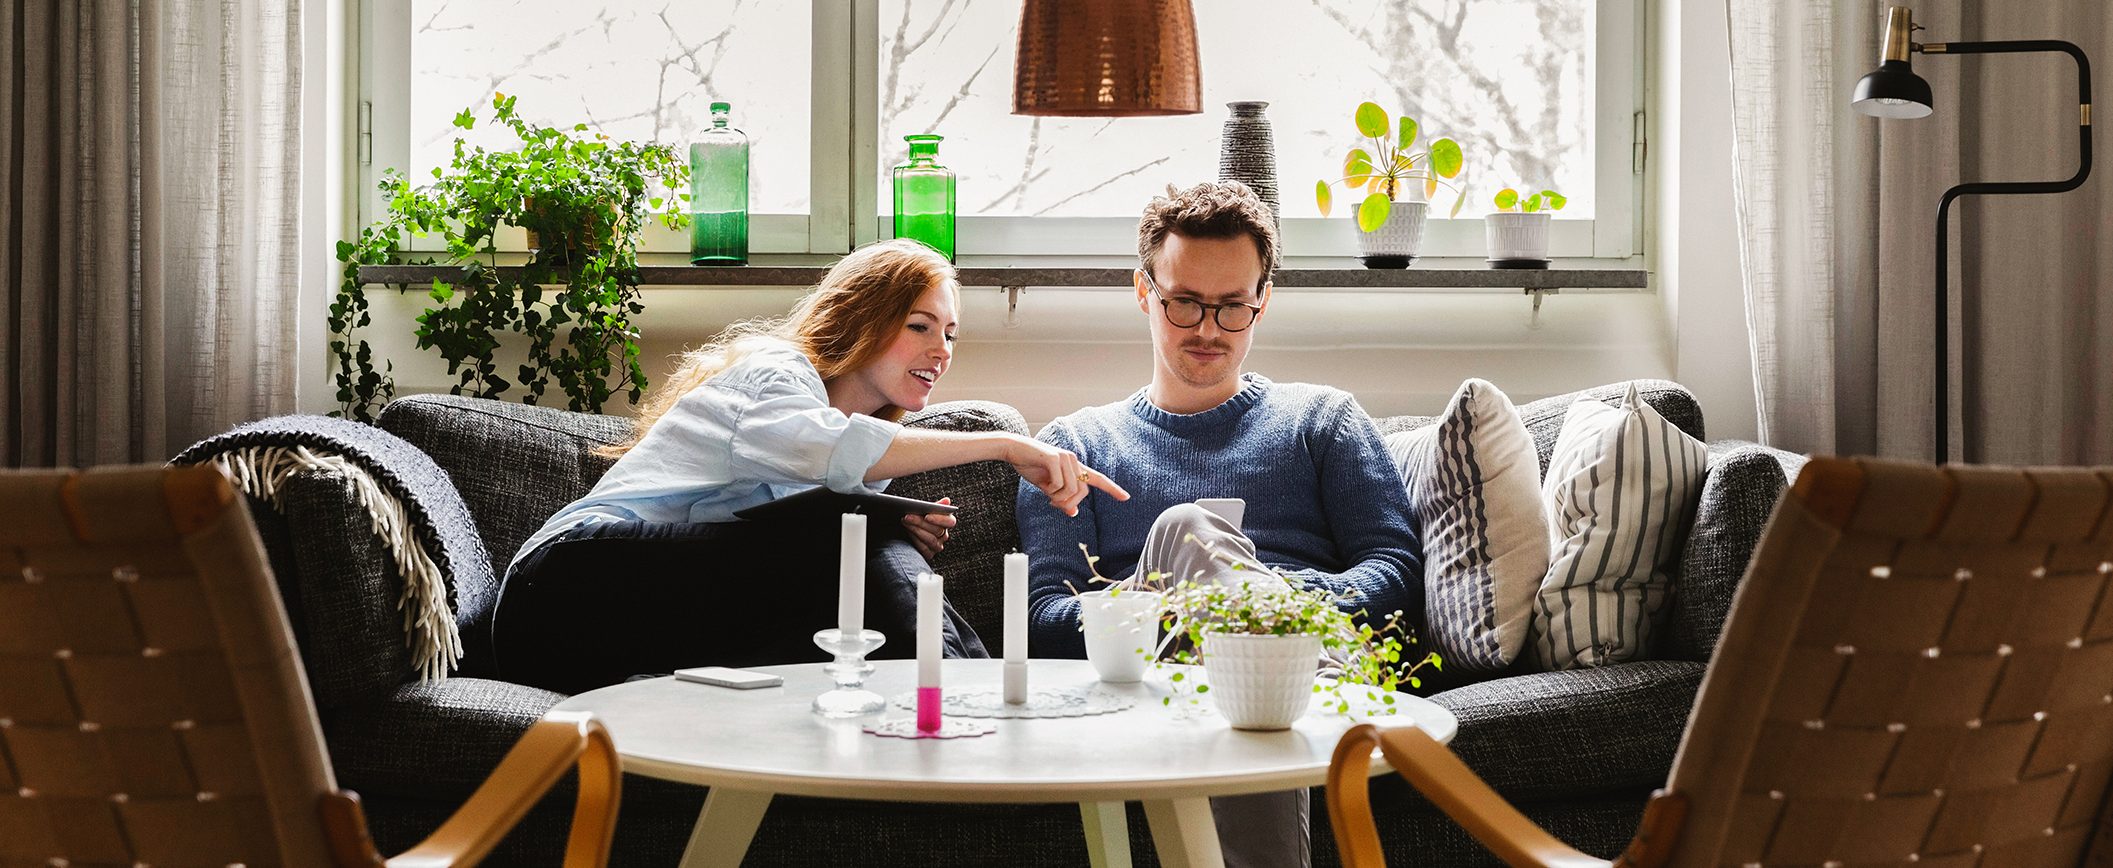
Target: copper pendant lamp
[{"x": 1107, "y": 58}]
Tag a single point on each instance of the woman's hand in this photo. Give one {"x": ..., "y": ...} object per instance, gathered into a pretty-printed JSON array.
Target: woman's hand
[
  {"x": 1059, "y": 474},
  {"x": 929, "y": 533}
]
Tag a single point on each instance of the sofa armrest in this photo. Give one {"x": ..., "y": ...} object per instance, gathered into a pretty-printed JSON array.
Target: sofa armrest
[
  {"x": 1575, "y": 732},
  {"x": 1745, "y": 480},
  {"x": 340, "y": 587},
  {"x": 973, "y": 558}
]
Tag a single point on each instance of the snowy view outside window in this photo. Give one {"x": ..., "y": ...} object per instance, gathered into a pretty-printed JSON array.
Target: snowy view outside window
[
  {"x": 1511, "y": 80},
  {"x": 643, "y": 71}
]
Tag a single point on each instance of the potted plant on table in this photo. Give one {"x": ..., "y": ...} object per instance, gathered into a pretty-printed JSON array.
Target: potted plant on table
[
  {"x": 1397, "y": 181},
  {"x": 1518, "y": 229},
  {"x": 584, "y": 198},
  {"x": 1261, "y": 641}
]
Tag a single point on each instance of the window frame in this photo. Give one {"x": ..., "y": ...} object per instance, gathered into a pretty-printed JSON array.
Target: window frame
[{"x": 844, "y": 170}]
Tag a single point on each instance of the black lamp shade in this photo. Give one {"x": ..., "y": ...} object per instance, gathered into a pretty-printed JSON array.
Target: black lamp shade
[{"x": 1893, "y": 91}]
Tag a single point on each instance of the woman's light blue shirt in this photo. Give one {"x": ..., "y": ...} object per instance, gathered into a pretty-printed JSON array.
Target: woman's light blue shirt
[{"x": 757, "y": 431}]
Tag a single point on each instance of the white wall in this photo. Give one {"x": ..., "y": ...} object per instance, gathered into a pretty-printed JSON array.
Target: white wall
[
  {"x": 1398, "y": 352},
  {"x": 1695, "y": 243}
]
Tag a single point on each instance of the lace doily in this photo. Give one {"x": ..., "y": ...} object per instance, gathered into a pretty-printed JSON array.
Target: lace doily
[
  {"x": 949, "y": 727},
  {"x": 989, "y": 702}
]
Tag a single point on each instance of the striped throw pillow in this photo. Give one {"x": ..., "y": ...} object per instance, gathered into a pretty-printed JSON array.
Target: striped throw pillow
[
  {"x": 1474, "y": 482},
  {"x": 1620, "y": 491}
]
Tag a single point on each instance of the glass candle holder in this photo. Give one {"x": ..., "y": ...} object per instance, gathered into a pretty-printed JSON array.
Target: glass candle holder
[{"x": 849, "y": 670}]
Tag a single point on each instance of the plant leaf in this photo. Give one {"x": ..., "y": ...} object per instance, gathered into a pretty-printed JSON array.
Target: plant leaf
[
  {"x": 1372, "y": 214},
  {"x": 1371, "y": 120},
  {"x": 1507, "y": 199},
  {"x": 1324, "y": 197},
  {"x": 1555, "y": 200},
  {"x": 1532, "y": 204},
  {"x": 1408, "y": 133},
  {"x": 1446, "y": 157},
  {"x": 1357, "y": 167}
]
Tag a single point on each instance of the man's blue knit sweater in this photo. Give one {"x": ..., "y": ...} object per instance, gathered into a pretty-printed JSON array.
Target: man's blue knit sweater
[{"x": 1325, "y": 505}]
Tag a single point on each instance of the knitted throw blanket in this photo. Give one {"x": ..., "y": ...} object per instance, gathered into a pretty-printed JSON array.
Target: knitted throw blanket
[{"x": 418, "y": 516}]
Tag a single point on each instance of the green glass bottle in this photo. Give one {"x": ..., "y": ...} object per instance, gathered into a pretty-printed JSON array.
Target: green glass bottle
[
  {"x": 719, "y": 193},
  {"x": 924, "y": 197}
]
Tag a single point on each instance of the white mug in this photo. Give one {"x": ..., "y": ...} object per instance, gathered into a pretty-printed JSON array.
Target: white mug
[
  {"x": 1232, "y": 509},
  {"x": 1121, "y": 629}
]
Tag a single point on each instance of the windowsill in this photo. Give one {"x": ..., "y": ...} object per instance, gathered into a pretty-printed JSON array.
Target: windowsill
[{"x": 1435, "y": 275}]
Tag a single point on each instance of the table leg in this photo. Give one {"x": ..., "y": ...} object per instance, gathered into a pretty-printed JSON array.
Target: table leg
[
  {"x": 1107, "y": 834},
  {"x": 724, "y": 828},
  {"x": 1184, "y": 833}
]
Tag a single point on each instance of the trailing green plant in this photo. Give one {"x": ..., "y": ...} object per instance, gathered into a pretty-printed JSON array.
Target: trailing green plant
[
  {"x": 584, "y": 197},
  {"x": 1508, "y": 200},
  {"x": 1266, "y": 606},
  {"x": 1388, "y": 165}
]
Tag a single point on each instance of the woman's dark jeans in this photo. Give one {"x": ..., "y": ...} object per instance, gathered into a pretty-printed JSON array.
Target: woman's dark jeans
[{"x": 601, "y": 603}]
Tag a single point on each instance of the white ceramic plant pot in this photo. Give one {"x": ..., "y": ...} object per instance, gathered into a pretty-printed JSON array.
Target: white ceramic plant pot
[
  {"x": 1395, "y": 242},
  {"x": 1517, "y": 240},
  {"x": 1121, "y": 630},
  {"x": 1261, "y": 682}
]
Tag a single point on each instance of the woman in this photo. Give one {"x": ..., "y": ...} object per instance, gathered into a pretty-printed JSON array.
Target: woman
[{"x": 651, "y": 571}]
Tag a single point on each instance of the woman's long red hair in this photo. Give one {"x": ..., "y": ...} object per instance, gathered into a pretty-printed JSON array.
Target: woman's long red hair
[{"x": 842, "y": 325}]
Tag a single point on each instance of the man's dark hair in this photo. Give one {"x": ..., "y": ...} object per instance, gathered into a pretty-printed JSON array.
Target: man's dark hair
[{"x": 1212, "y": 209}]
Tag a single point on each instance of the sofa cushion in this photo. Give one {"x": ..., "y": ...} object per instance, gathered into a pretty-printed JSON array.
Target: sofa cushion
[
  {"x": 516, "y": 465},
  {"x": 1620, "y": 493},
  {"x": 1576, "y": 732},
  {"x": 1475, "y": 493},
  {"x": 973, "y": 558},
  {"x": 1745, "y": 481}
]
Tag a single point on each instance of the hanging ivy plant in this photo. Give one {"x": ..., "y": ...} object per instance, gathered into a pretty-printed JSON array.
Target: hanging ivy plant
[{"x": 584, "y": 200}]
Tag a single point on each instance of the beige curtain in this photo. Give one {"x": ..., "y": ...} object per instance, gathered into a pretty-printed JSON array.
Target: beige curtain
[
  {"x": 1838, "y": 214},
  {"x": 148, "y": 230}
]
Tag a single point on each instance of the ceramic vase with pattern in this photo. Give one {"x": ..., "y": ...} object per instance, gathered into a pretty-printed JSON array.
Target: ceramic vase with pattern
[{"x": 1247, "y": 151}]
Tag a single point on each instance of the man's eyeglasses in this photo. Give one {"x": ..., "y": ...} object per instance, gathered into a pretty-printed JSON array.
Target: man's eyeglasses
[{"x": 1187, "y": 313}]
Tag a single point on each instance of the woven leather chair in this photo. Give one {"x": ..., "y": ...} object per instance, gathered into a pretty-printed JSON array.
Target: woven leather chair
[
  {"x": 1918, "y": 670},
  {"x": 153, "y": 711}
]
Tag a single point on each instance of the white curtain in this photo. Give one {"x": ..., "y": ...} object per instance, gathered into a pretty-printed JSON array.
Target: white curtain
[
  {"x": 148, "y": 229},
  {"x": 1837, "y": 217}
]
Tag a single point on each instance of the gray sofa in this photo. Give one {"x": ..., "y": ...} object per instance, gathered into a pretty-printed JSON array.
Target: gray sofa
[{"x": 1578, "y": 751}]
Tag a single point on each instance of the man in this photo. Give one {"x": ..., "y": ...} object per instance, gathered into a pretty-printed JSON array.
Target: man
[{"x": 1325, "y": 505}]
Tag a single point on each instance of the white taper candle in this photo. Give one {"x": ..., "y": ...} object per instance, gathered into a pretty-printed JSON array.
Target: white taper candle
[
  {"x": 851, "y": 576},
  {"x": 1015, "y": 628},
  {"x": 1015, "y": 607},
  {"x": 930, "y": 591}
]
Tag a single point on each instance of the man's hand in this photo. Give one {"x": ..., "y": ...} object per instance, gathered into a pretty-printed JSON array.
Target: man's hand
[
  {"x": 1059, "y": 474},
  {"x": 929, "y": 533}
]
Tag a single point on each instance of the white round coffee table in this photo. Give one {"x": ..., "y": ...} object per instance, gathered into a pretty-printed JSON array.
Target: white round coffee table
[{"x": 748, "y": 745}]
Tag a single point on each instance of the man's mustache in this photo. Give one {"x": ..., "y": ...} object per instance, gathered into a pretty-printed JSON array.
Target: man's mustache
[{"x": 1207, "y": 346}]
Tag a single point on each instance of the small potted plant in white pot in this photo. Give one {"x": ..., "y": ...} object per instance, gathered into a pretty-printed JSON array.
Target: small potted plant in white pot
[
  {"x": 1518, "y": 229},
  {"x": 1261, "y": 643},
  {"x": 1397, "y": 182}
]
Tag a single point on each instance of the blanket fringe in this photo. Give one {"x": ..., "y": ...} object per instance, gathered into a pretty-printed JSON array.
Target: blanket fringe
[{"x": 429, "y": 626}]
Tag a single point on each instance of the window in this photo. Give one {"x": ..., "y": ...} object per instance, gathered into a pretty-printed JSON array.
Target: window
[{"x": 1539, "y": 92}]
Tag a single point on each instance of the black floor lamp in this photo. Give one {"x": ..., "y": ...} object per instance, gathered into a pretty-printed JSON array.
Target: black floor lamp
[{"x": 1895, "y": 91}]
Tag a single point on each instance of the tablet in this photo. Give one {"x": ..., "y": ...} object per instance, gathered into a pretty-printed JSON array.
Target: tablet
[{"x": 822, "y": 502}]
